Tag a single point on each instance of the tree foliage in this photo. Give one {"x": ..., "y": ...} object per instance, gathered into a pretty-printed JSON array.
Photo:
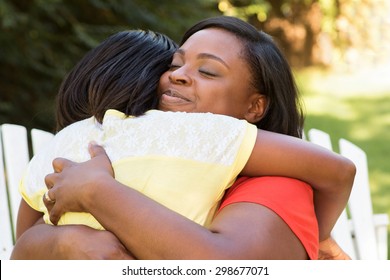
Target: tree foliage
[{"x": 40, "y": 41}]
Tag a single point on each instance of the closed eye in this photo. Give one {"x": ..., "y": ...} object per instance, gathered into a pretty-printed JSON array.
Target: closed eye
[{"x": 208, "y": 73}]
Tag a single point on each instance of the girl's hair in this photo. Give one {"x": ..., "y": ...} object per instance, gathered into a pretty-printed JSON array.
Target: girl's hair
[
  {"x": 121, "y": 73},
  {"x": 271, "y": 74}
]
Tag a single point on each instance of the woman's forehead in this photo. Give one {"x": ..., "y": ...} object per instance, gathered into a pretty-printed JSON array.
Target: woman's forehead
[
  {"x": 213, "y": 38},
  {"x": 214, "y": 41}
]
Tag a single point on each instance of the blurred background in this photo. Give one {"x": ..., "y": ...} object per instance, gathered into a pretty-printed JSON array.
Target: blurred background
[{"x": 339, "y": 51}]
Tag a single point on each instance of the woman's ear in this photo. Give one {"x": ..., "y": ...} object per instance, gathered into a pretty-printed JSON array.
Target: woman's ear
[{"x": 257, "y": 108}]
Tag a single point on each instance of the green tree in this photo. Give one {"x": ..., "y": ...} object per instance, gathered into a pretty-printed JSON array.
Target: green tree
[{"x": 40, "y": 40}]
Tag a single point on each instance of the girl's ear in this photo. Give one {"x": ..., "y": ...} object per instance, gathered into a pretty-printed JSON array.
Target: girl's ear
[{"x": 257, "y": 108}]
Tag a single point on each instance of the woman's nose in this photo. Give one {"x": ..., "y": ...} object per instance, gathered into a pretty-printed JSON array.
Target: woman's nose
[{"x": 179, "y": 76}]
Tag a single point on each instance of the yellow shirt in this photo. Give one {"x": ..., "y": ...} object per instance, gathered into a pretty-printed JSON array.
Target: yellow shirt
[{"x": 184, "y": 161}]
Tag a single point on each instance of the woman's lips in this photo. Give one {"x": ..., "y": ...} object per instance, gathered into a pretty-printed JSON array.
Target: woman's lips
[{"x": 171, "y": 96}]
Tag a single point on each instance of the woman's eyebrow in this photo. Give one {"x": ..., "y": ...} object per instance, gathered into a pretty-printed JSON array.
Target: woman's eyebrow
[
  {"x": 211, "y": 56},
  {"x": 205, "y": 56}
]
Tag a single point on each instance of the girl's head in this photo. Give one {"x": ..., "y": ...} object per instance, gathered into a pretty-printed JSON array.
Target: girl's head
[
  {"x": 242, "y": 69},
  {"x": 121, "y": 73}
]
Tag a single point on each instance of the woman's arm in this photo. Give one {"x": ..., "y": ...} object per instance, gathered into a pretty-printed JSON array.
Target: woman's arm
[
  {"x": 176, "y": 237},
  {"x": 95, "y": 201},
  {"x": 81, "y": 242},
  {"x": 104, "y": 198},
  {"x": 330, "y": 174}
]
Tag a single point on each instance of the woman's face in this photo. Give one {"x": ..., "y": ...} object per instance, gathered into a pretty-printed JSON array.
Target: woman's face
[{"x": 208, "y": 74}]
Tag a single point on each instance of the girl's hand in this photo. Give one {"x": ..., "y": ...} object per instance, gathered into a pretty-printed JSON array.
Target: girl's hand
[
  {"x": 330, "y": 250},
  {"x": 69, "y": 187}
]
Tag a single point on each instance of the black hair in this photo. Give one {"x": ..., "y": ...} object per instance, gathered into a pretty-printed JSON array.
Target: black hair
[{"x": 121, "y": 73}]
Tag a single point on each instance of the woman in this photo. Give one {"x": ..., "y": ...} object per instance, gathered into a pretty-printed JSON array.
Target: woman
[{"x": 175, "y": 96}]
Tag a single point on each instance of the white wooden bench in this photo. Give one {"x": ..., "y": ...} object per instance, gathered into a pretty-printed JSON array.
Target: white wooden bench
[
  {"x": 14, "y": 157},
  {"x": 360, "y": 232}
]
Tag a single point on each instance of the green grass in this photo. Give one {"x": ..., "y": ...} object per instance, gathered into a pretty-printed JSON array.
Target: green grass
[{"x": 355, "y": 107}]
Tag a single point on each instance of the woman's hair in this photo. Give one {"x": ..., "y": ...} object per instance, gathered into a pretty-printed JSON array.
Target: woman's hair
[
  {"x": 121, "y": 73},
  {"x": 271, "y": 74}
]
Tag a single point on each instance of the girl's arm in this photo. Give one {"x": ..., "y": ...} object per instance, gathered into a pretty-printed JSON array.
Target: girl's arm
[
  {"x": 27, "y": 217},
  {"x": 330, "y": 175},
  {"x": 36, "y": 240},
  {"x": 47, "y": 242}
]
